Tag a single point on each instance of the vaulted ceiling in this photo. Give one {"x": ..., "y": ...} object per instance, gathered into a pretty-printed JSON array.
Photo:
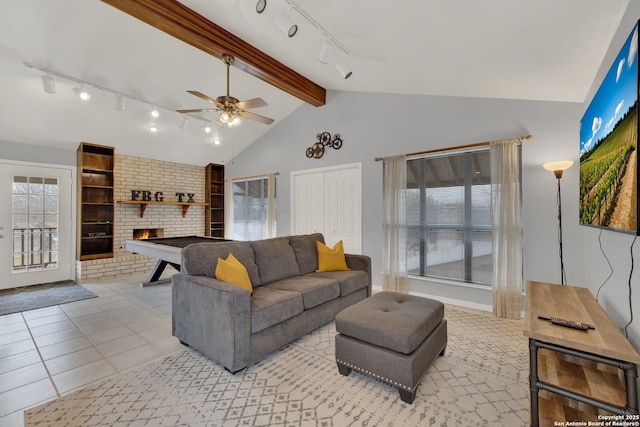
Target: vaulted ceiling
[{"x": 533, "y": 50}]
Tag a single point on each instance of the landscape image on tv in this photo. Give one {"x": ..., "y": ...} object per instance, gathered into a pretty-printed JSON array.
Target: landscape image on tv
[{"x": 608, "y": 141}]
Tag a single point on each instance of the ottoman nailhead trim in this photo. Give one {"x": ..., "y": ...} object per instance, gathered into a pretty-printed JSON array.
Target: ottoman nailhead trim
[{"x": 373, "y": 374}]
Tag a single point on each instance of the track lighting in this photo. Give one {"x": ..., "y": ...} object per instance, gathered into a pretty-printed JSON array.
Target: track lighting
[
  {"x": 48, "y": 84},
  {"x": 120, "y": 103},
  {"x": 183, "y": 122},
  {"x": 325, "y": 51},
  {"x": 83, "y": 94},
  {"x": 344, "y": 70},
  {"x": 261, "y": 6}
]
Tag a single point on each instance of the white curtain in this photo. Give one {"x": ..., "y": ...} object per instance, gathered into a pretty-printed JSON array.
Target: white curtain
[
  {"x": 394, "y": 228},
  {"x": 506, "y": 229}
]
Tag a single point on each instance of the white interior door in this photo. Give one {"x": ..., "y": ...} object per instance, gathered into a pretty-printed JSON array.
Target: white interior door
[
  {"x": 343, "y": 209},
  {"x": 329, "y": 201},
  {"x": 36, "y": 238}
]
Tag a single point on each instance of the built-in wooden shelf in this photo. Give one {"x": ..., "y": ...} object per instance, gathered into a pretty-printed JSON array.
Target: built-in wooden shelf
[
  {"x": 95, "y": 201},
  {"x": 143, "y": 205}
]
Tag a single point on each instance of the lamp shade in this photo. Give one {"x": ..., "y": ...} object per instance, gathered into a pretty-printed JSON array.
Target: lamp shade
[{"x": 558, "y": 167}]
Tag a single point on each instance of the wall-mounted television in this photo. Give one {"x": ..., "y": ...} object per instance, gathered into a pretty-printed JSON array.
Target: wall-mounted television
[{"x": 608, "y": 147}]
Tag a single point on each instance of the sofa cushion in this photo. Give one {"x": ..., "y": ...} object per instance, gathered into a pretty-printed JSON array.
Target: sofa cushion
[
  {"x": 201, "y": 259},
  {"x": 306, "y": 251},
  {"x": 350, "y": 281},
  {"x": 271, "y": 306},
  {"x": 232, "y": 271},
  {"x": 314, "y": 290},
  {"x": 275, "y": 259}
]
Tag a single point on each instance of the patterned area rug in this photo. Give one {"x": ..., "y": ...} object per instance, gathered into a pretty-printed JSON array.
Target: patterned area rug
[
  {"x": 39, "y": 296},
  {"x": 482, "y": 380}
]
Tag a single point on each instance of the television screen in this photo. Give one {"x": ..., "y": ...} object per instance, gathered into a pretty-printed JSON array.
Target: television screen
[{"x": 608, "y": 141}]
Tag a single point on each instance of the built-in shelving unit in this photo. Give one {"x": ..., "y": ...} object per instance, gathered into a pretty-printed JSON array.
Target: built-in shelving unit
[
  {"x": 214, "y": 196},
  {"x": 95, "y": 201}
]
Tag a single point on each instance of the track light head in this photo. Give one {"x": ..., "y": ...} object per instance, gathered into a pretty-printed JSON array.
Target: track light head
[
  {"x": 325, "y": 51},
  {"x": 286, "y": 25},
  {"x": 83, "y": 94},
  {"x": 120, "y": 103},
  {"x": 48, "y": 84},
  {"x": 261, "y": 6},
  {"x": 184, "y": 122},
  {"x": 344, "y": 70}
]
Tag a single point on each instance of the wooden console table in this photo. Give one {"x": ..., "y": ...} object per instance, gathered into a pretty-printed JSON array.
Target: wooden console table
[{"x": 596, "y": 368}]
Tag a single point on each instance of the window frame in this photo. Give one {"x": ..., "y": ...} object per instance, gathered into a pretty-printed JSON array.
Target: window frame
[{"x": 467, "y": 228}]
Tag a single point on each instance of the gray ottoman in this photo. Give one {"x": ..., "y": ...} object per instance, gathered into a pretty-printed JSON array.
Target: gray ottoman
[{"x": 393, "y": 337}]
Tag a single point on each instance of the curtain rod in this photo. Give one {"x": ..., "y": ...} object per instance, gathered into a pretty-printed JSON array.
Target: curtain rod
[
  {"x": 457, "y": 147},
  {"x": 253, "y": 177}
]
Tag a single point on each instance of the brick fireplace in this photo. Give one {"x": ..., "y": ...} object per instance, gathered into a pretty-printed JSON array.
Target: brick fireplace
[{"x": 136, "y": 173}]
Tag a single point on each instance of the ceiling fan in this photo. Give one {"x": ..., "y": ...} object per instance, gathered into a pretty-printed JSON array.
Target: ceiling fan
[{"x": 231, "y": 108}]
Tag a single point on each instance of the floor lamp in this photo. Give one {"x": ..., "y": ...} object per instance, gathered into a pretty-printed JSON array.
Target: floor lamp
[{"x": 557, "y": 168}]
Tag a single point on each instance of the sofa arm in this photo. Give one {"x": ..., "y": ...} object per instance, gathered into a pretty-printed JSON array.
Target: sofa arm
[
  {"x": 360, "y": 262},
  {"x": 212, "y": 317}
]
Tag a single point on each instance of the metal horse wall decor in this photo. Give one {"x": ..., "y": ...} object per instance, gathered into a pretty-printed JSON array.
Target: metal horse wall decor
[{"x": 324, "y": 140}]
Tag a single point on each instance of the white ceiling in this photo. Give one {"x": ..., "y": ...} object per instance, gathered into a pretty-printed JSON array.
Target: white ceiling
[{"x": 545, "y": 50}]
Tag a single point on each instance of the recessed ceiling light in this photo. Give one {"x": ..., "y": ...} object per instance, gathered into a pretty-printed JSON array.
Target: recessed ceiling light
[
  {"x": 261, "y": 6},
  {"x": 154, "y": 112},
  {"x": 153, "y": 128},
  {"x": 216, "y": 141}
]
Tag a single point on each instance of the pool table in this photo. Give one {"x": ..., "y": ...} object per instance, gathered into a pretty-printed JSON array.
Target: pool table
[{"x": 166, "y": 249}]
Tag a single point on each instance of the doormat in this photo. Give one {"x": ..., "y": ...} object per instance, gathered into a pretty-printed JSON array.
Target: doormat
[{"x": 39, "y": 296}]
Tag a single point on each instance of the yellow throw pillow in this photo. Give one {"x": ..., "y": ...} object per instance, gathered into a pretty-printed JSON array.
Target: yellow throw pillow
[
  {"x": 231, "y": 270},
  {"x": 331, "y": 259}
]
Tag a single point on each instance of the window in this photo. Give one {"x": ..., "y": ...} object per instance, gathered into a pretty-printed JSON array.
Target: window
[
  {"x": 449, "y": 217},
  {"x": 253, "y": 208}
]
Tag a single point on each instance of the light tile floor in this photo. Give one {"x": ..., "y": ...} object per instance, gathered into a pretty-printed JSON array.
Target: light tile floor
[{"x": 54, "y": 351}]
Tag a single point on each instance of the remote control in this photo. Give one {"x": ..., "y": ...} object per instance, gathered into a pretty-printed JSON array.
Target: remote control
[{"x": 567, "y": 323}]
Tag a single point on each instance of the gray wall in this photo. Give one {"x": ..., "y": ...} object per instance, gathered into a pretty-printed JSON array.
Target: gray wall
[{"x": 369, "y": 129}]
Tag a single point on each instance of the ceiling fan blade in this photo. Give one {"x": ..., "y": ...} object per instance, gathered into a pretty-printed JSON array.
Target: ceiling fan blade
[
  {"x": 256, "y": 117},
  {"x": 205, "y": 97},
  {"x": 251, "y": 103},
  {"x": 198, "y": 110}
]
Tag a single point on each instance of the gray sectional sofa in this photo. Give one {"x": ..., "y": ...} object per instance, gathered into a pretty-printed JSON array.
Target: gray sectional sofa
[{"x": 235, "y": 328}]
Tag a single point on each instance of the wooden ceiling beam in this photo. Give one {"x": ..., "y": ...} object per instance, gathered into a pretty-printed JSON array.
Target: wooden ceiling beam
[{"x": 179, "y": 21}]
